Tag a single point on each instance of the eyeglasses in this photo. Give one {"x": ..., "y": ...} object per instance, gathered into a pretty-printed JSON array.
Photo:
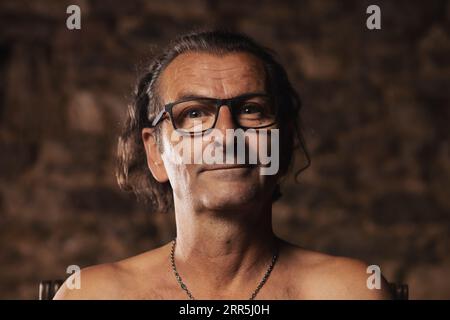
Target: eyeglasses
[{"x": 199, "y": 114}]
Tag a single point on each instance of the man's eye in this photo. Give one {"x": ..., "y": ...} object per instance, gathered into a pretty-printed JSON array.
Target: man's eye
[
  {"x": 250, "y": 109},
  {"x": 194, "y": 113}
]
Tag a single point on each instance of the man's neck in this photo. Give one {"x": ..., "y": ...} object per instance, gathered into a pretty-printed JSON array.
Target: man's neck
[{"x": 224, "y": 250}]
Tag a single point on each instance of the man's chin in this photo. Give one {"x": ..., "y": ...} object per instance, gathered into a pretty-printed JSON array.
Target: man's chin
[{"x": 231, "y": 196}]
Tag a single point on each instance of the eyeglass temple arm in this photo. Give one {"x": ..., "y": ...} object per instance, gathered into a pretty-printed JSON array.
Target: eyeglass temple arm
[{"x": 158, "y": 118}]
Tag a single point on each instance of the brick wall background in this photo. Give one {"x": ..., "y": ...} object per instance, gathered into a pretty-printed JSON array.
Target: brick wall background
[{"x": 376, "y": 106}]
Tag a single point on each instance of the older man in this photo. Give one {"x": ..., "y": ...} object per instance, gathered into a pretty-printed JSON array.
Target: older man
[{"x": 225, "y": 247}]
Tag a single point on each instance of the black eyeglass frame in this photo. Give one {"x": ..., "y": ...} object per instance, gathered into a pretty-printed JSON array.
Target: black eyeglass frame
[{"x": 229, "y": 102}]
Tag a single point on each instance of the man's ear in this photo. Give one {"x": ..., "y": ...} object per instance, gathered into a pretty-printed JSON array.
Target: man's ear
[{"x": 154, "y": 160}]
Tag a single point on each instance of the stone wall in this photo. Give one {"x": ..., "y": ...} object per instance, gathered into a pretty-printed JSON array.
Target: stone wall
[{"x": 376, "y": 109}]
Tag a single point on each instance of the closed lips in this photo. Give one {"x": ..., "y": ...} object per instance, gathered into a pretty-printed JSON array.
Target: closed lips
[{"x": 224, "y": 167}]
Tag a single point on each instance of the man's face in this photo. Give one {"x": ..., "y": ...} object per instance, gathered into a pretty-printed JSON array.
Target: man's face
[{"x": 213, "y": 187}]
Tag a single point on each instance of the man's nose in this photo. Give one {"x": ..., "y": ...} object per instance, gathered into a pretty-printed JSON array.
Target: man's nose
[{"x": 225, "y": 119}]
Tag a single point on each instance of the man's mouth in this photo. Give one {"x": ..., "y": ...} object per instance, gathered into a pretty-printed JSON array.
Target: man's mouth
[{"x": 226, "y": 167}]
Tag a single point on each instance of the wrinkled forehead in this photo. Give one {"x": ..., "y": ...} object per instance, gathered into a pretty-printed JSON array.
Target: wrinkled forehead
[{"x": 211, "y": 75}]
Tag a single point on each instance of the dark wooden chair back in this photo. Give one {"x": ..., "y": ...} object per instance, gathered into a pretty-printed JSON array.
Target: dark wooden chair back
[
  {"x": 48, "y": 289},
  {"x": 399, "y": 291}
]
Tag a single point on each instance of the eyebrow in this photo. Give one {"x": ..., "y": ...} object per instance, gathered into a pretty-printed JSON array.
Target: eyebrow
[
  {"x": 186, "y": 95},
  {"x": 189, "y": 95}
]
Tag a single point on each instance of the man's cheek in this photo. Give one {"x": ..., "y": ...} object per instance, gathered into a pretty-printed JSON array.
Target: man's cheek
[{"x": 175, "y": 148}]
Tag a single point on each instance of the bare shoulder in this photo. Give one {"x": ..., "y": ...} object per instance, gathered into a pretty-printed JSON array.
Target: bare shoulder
[
  {"x": 96, "y": 282},
  {"x": 323, "y": 276},
  {"x": 118, "y": 280}
]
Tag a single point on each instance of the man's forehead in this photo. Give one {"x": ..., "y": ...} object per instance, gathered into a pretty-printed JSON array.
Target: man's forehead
[{"x": 211, "y": 75}]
